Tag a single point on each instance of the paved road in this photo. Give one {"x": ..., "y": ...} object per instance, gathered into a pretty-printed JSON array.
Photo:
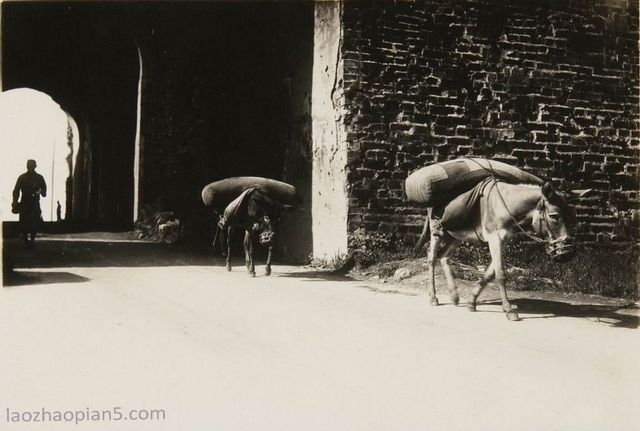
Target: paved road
[{"x": 104, "y": 325}]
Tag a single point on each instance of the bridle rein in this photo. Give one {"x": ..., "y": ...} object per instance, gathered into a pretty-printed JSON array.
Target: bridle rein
[{"x": 557, "y": 247}]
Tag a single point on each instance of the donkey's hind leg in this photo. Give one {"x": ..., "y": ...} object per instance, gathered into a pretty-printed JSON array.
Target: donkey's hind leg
[
  {"x": 434, "y": 245},
  {"x": 228, "y": 248},
  {"x": 447, "y": 251}
]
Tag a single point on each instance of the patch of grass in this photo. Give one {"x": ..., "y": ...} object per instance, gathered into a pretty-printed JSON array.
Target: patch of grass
[
  {"x": 603, "y": 270},
  {"x": 387, "y": 269},
  {"x": 471, "y": 255},
  {"x": 375, "y": 248},
  {"x": 607, "y": 271}
]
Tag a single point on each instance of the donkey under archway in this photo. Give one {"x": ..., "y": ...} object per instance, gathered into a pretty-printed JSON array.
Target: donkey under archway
[{"x": 257, "y": 212}]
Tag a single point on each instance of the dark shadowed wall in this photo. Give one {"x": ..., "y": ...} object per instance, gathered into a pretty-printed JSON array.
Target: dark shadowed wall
[{"x": 226, "y": 92}]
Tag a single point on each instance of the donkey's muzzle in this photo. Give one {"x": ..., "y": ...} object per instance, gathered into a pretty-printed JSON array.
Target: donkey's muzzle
[
  {"x": 267, "y": 237},
  {"x": 562, "y": 249}
]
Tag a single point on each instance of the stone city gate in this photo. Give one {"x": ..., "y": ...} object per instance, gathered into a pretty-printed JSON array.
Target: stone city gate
[{"x": 341, "y": 99}]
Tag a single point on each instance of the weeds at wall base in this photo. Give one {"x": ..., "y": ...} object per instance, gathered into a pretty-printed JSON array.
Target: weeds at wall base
[{"x": 606, "y": 270}]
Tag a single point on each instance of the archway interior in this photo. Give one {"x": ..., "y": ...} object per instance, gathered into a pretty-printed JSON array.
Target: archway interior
[
  {"x": 33, "y": 126},
  {"x": 168, "y": 97}
]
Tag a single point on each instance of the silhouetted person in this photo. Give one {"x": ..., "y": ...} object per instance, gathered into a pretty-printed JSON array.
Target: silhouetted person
[
  {"x": 29, "y": 187},
  {"x": 58, "y": 211}
]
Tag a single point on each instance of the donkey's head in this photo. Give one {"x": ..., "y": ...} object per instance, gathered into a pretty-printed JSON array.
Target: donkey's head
[
  {"x": 265, "y": 212},
  {"x": 555, "y": 220}
]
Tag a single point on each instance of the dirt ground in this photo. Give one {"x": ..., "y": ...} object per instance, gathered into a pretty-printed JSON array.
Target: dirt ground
[
  {"x": 106, "y": 322},
  {"x": 409, "y": 277}
]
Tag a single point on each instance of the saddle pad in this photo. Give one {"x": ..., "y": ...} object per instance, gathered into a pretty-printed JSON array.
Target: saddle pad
[
  {"x": 458, "y": 213},
  {"x": 439, "y": 183},
  {"x": 233, "y": 210}
]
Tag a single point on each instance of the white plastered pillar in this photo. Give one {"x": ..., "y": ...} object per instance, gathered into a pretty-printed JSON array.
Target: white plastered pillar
[{"x": 329, "y": 181}]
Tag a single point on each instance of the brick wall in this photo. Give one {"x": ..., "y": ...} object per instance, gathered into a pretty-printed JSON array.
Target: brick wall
[{"x": 551, "y": 87}]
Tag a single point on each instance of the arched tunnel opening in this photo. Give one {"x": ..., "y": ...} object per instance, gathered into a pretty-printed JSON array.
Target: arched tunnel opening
[
  {"x": 91, "y": 70},
  {"x": 34, "y": 126}
]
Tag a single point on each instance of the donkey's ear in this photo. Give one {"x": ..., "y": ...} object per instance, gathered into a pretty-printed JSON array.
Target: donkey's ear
[
  {"x": 548, "y": 190},
  {"x": 573, "y": 195}
]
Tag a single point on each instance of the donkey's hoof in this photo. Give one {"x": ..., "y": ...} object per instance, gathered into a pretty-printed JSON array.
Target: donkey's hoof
[
  {"x": 513, "y": 316},
  {"x": 471, "y": 306},
  {"x": 434, "y": 301},
  {"x": 455, "y": 298},
  {"x": 509, "y": 308},
  {"x": 228, "y": 267},
  {"x": 252, "y": 273},
  {"x": 267, "y": 271}
]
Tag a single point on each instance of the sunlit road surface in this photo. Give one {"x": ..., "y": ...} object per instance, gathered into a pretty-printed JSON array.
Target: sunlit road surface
[{"x": 217, "y": 350}]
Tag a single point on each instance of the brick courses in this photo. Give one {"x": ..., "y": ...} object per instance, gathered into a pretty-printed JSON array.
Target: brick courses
[{"x": 551, "y": 87}]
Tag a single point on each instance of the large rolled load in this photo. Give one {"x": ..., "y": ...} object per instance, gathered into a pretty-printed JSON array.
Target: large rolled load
[
  {"x": 219, "y": 194},
  {"x": 439, "y": 183}
]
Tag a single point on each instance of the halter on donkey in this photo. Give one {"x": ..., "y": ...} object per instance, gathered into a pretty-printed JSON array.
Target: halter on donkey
[{"x": 501, "y": 211}]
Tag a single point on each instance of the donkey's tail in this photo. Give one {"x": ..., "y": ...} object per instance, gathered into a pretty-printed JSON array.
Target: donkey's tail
[{"x": 423, "y": 237}]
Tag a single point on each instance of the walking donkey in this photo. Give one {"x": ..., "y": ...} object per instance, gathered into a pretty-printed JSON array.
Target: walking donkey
[
  {"x": 257, "y": 213},
  {"x": 259, "y": 205},
  {"x": 500, "y": 212}
]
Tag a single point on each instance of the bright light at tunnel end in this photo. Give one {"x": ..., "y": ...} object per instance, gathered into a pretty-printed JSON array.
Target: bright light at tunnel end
[{"x": 33, "y": 126}]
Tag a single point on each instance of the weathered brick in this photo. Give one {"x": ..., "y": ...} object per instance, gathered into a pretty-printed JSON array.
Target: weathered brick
[{"x": 441, "y": 85}]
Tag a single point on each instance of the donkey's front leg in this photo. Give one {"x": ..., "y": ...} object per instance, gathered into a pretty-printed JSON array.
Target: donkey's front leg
[
  {"x": 248, "y": 253},
  {"x": 267, "y": 269},
  {"x": 496, "y": 245},
  {"x": 489, "y": 275}
]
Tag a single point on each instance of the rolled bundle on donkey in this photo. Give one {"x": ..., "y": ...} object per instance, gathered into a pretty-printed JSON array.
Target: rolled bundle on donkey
[
  {"x": 219, "y": 194},
  {"x": 451, "y": 189},
  {"x": 488, "y": 201},
  {"x": 440, "y": 183},
  {"x": 253, "y": 203}
]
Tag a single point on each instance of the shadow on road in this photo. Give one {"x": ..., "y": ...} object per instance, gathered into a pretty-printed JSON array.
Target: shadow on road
[
  {"x": 617, "y": 316},
  {"x": 24, "y": 278},
  {"x": 318, "y": 275},
  {"x": 338, "y": 274},
  {"x": 50, "y": 253}
]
